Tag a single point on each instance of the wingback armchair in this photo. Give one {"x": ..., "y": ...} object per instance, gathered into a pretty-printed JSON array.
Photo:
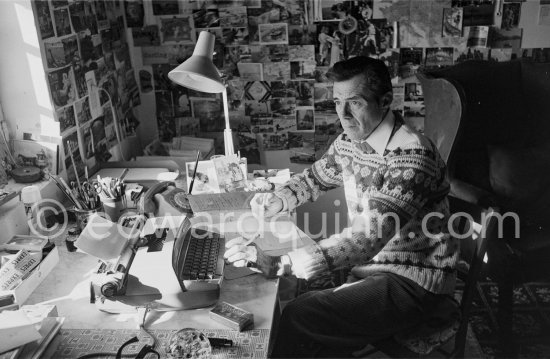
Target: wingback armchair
[{"x": 491, "y": 122}]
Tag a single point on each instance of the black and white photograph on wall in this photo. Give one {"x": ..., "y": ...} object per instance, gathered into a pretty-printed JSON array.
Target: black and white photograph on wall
[
  {"x": 128, "y": 124},
  {"x": 82, "y": 16},
  {"x": 233, "y": 36},
  {"x": 247, "y": 145},
  {"x": 187, "y": 126},
  {"x": 301, "y": 70},
  {"x": 304, "y": 119},
  {"x": 82, "y": 109},
  {"x": 327, "y": 128},
  {"x": 146, "y": 36},
  {"x": 499, "y": 55},
  {"x": 304, "y": 53},
  {"x": 55, "y": 54},
  {"x": 180, "y": 101},
  {"x": 329, "y": 10},
  {"x": 302, "y": 34},
  {"x": 501, "y": 38},
  {"x": 90, "y": 51},
  {"x": 101, "y": 152},
  {"x": 304, "y": 95},
  {"x": 391, "y": 60},
  {"x": 70, "y": 47},
  {"x": 233, "y": 16},
  {"x": 209, "y": 111},
  {"x": 241, "y": 123},
  {"x": 302, "y": 147},
  {"x": 470, "y": 54},
  {"x": 273, "y": 33},
  {"x": 122, "y": 58},
  {"x": 283, "y": 106},
  {"x": 62, "y": 86},
  {"x": 62, "y": 22},
  {"x": 478, "y": 14},
  {"x": 276, "y": 71},
  {"x": 325, "y": 40},
  {"x": 204, "y": 18},
  {"x": 257, "y": 109},
  {"x": 398, "y": 102},
  {"x": 410, "y": 60},
  {"x": 438, "y": 57},
  {"x": 165, "y": 7},
  {"x": 452, "y": 22},
  {"x": 44, "y": 17},
  {"x": 177, "y": 29},
  {"x": 322, "y": 99},
  {"x": 134, "y": 13},
  {"x": 250, "y": 71},
  {"x": 232, "y": 56},
  {"x": 283, "y": 89},
  {"x": 273, "y": 141},
  {"x": 85, "y": 134},
  {"x": 163, "y": 101}
]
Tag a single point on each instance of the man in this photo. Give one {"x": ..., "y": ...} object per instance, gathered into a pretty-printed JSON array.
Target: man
[{"x": 402, "y": 267}]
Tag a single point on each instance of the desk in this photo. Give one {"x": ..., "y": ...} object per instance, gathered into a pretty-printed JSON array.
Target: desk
[{"x": 67, "y": 286}]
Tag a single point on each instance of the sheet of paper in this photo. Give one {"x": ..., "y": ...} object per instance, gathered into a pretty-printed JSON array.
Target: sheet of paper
[
  {"x": 102, "y": 238},
  {"x": 16, "y": 329},
  {"x": 220, "y": 201}
]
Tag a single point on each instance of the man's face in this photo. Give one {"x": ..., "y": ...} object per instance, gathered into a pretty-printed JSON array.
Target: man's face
[{"x": 358, "y": 110}]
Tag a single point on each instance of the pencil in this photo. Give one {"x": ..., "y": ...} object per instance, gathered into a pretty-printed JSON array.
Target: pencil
[{"x": 194, "y": 172}]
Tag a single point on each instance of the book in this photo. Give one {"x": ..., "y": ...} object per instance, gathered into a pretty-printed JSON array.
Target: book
[
  {"x": 232, "y": 316},
  {"x": 28, "y": 242},
  {"x": 48, "y": 329}
]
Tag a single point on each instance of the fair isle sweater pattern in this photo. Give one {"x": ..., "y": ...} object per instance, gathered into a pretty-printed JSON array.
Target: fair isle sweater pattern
[{"x": 403, "y": 185}]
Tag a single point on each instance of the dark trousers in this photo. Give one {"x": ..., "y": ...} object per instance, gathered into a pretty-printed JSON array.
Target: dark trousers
[{"x": 333, "y": 323}]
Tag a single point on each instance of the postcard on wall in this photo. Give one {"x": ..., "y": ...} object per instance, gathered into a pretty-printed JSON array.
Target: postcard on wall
[
  {"x": 85, "y": 140},
  {"x": 233, "y": 16},
  {"x": 250, "y": 71},
  {"x": 452, "y": 22},
  {"x": 66, "y": 118},
  {"x": 477, "y": 36},
  {"x": 276, "y": 71},
  {"x": 146, "y": 36},
  {"x": 204, "y": 18},
  {"x": 302, "y": 53},
  {"x": 62, "y": 22},
  {"x": 501, "y": 38},
  {"x": 55, "y": 54},
  {"x": 206, "y": 180},
  {"x": 273, "y": 33},
  {"x": 35, "y": 153},
  {"x": 134, "y": 13},
  {"x": 44, "y": 17},
  {"x": 62, "y": 86},
  {"x": 302, "y": 147},
  {"x": 177, "y": 29}
]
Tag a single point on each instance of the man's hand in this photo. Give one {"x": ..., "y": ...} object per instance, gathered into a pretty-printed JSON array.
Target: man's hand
[
  {"x": 265, "y": 205},
  {"x": 240, "y": 254}
]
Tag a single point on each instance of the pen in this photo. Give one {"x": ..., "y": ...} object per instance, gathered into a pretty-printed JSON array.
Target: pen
[{"x": 194, "y": 172}]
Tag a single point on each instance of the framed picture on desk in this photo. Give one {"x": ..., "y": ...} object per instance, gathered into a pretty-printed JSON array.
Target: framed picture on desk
[{"x": 206, "y": 179}]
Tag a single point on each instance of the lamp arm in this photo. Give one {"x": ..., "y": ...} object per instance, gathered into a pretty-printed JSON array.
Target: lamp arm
[{"x": 227, "y": 136}]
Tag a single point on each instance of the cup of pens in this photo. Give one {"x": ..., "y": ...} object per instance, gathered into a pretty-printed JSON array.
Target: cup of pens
[{"x": 112, "y": 195}]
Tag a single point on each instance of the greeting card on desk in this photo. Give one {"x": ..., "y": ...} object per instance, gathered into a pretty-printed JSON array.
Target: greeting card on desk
[
  {"x": 102, "y": 238},
  {"x": 206, "y": 179}
]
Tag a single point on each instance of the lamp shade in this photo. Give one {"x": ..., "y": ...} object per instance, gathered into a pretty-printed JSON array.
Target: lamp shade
[{"x": 198, "y": 72}]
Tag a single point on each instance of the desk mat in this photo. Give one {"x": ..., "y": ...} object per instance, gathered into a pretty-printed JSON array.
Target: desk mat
[{"x": 76, "y": 342}]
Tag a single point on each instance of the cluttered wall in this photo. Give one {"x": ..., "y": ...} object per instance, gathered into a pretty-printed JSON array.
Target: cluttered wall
[{"x": 273, "y": 55}]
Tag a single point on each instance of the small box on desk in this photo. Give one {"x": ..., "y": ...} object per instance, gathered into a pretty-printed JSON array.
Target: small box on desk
[
  {"x": 36, "y": 276},
  {"x": 232, "y": 316}
]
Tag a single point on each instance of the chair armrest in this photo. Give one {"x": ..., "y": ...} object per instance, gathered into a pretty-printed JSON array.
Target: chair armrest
[{"x": 473, "y": 194}]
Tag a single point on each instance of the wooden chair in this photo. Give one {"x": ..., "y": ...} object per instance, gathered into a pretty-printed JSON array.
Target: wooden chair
[{"x": 480, "y": 226}]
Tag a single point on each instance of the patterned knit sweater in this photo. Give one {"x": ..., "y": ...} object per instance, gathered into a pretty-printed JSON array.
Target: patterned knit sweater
[{"x": 403, "y": 185}]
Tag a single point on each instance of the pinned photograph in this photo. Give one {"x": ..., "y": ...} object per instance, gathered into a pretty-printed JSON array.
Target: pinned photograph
[
  {"x": 55, "y": 54},
  {"x": 273, "y": 33},
  {"x": 62, "y": 22},
  {"x": 85, "y": 135},
  {"x": 177, "y": 29},
  {"x": 305, "y": 53},
  {"x": 477, "y": 36},
  {"x": 204, "y": 18},
  {"x": 438, "y": 57},
  {"x": 257, "y": 91},
  {"x": 283, "y": 88},
  {"x": 302, "y": 34},
  {"x": 256, "y": 109},
  {"x": 276, "y": 71},
  {"x": 283, "y": 106},
  {"x": 410, "y": 61},
  {"x": 302, "y": 147},
  {"x": 323, "y": 100},
  {"x": 235, "y": 36},
  {"x": 250, "y": 71},
  {"x": 62, "y": 86},
  {"x": 44, "y": 17},
  {"x": 209, "y": 112},
  {"x": 304, "y": 96},
  {"x": 302, "y": 70},
  {"x": 165, "y": 7},
  {"x": 305, "y": 119},
  {"x": 146, "y": 36},
  {"x": 82, "y": 16},
  {"x": 452, "y": 22},
  {"x": 501, "y": 38},
  {"x": 233, "y": 16},
  {"x": 82, "y": 109},
  {"x": 134, "y": 13}
]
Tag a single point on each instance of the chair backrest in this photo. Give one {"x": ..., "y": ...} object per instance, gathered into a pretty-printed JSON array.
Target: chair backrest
[{"x": 476, "y": 226}]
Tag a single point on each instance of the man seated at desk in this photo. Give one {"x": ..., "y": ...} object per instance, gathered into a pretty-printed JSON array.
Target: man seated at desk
[{"x": 393, "y": 178}]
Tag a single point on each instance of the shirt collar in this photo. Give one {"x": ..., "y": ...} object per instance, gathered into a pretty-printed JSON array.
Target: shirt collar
[{"x": 380, "y": 137}]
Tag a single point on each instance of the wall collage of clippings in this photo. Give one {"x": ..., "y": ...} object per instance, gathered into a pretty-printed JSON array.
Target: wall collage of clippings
[
  {"x": 273, "y": 55},
  {"x": 90, "y": 76}
]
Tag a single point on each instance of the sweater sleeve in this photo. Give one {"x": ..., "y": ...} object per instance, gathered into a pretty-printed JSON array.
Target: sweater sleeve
[
  {"x": 325, "y": 174},
  {"x": 398, "y": 191}
]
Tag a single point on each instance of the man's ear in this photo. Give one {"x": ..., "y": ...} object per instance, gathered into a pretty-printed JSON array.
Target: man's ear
[{"x": 386, "y": 100}]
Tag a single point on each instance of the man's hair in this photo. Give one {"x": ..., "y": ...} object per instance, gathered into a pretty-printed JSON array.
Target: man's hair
[{"x": 375, "y": 72}]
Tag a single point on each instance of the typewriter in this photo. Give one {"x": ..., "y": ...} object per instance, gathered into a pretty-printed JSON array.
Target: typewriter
[{"x": 197, "y": 260}]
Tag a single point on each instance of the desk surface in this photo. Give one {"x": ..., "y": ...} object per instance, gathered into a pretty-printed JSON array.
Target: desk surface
[{"x": 67, "y": 286}]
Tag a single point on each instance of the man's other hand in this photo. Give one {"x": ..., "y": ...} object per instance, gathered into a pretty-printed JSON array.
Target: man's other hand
[
  {"x": 265, "y": 205},
  {"x": 240, "y": 254}
]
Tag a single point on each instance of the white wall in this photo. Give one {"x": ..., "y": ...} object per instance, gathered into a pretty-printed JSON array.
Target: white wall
[{"x": 534, "y": 35}]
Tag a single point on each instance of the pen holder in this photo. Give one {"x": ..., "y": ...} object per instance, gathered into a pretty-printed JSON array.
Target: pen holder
[
  {"x": 112, "y": 207},
  {"x": 82, "y": 216}
]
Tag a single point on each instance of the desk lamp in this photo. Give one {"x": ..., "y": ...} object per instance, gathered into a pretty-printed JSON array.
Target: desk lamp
[{"x": 199, "y": 73}]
